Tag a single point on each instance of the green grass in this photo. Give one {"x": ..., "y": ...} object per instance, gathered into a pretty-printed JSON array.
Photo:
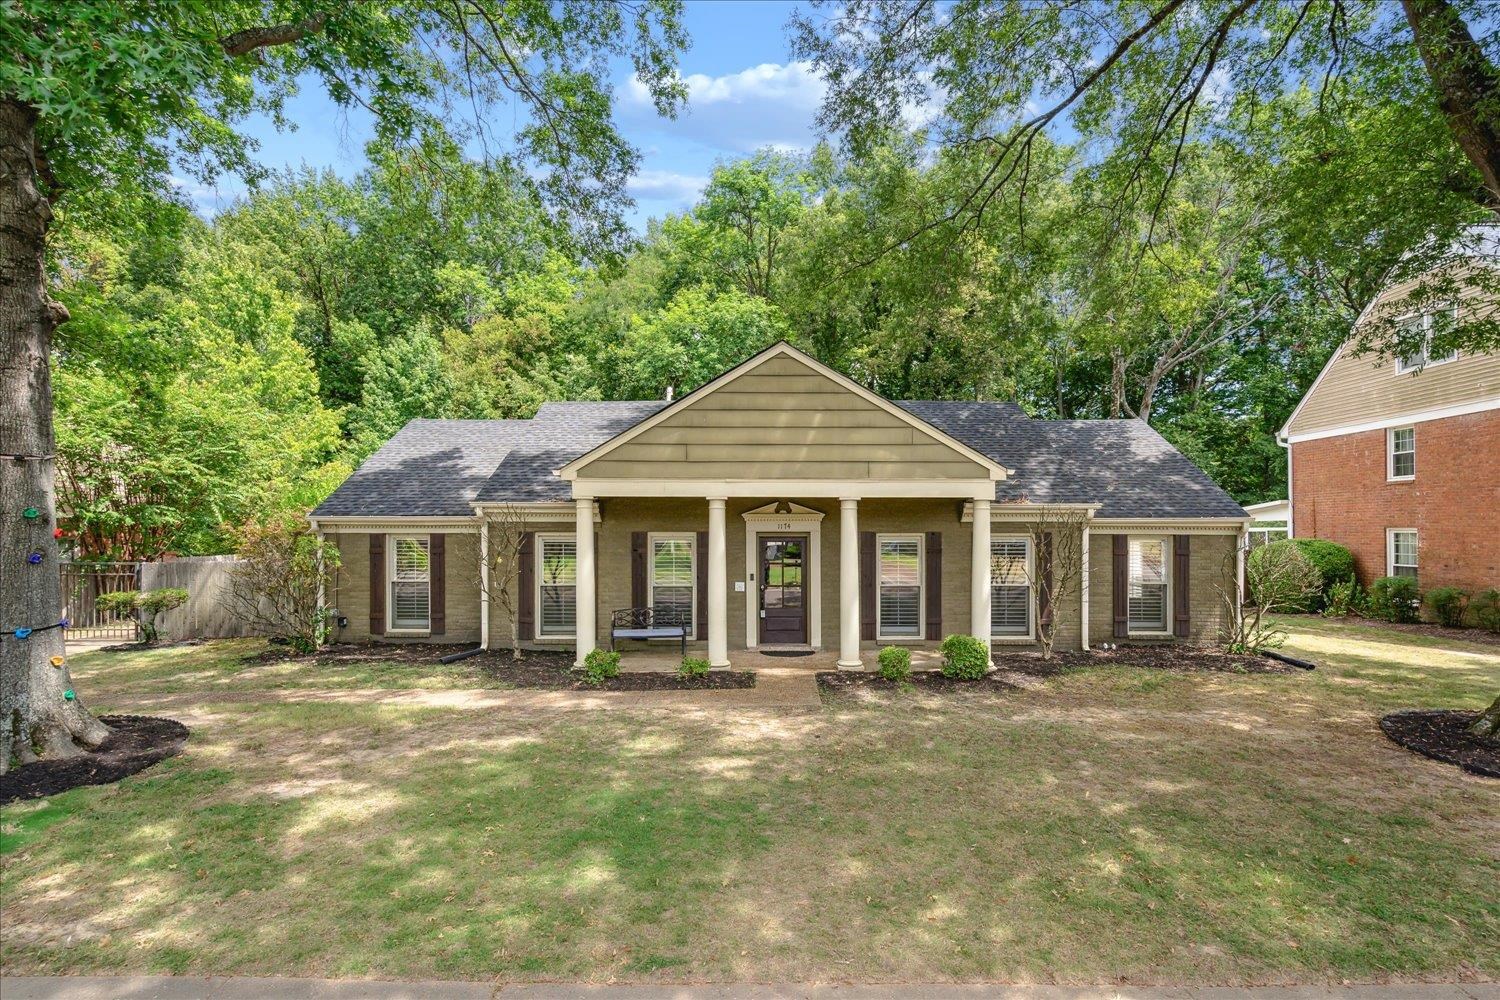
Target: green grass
[{"x": 1159, "y": 827}]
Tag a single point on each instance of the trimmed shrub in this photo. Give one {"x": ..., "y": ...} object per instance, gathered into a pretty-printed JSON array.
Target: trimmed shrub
[
  {"x": 964, "y": 657},
  {"x": 895, "y": 663},
  {"x": 1282, "y": 578},
  {"x": 599, "y": 666},
  {"x": 1343, "y": 598},
  {"x": 1448, "y": 605},
  {"x": 693, "y": 666},
  {"x": 1486, "y": 609},
  {"x": 144, "y": 606},
  {"x": 1333, "y": 560},
  {"x": 1395, "y": 598}
]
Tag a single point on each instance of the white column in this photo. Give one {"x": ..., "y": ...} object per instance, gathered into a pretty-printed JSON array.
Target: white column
[
  {"x": 583, "y": 540},
  {"x": 1083, "y": 593},
  {"x": 849, "y": 584},
  {"x": 718, "y": 585},
  {"x": 979, "y": 581},
  {"x": 484, "y": 583}
]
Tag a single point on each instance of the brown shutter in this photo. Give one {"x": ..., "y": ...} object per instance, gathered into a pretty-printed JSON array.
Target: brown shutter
[
  {"x": 1120, "y": 586},
  {"x": 437, "y": 583},
  {"x": 1181, "y": 587},
  {"x": 377, "y": 585},
  {"x": 526, "y": 584},
  {"x": 638, "y": 579},
  {"x": 1044, "y": 557},
  {"x": 934, "y": 585},
  {"x": 867, "y": 584},
  {"x": 700, "y": 568}
]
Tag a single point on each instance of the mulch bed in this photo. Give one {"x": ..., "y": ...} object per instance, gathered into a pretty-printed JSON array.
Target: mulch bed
[
  {"x": 1478, "y": 635},
  {"x": 922, "y": 680},
  {"x": 1443, "y": 735},
  {"x": 138, "y": 741},
  {"x": 1148, "y": 656}
]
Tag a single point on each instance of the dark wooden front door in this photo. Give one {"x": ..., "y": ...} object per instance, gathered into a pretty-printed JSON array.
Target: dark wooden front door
[{"x": 783, "y": 589}]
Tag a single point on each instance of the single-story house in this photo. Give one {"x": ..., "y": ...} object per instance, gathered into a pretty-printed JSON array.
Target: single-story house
[{"x": 782, "y": 504}]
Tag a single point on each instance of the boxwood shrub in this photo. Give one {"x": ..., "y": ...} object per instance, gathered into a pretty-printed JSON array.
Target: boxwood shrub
[
  {"x": 1395, "y": 598},
  {"x": 895, "y": 663},
  {"x": 1333, "y": 560},
  {"x": 600, "y": 665},
  {"x": 964, "y": 657}
]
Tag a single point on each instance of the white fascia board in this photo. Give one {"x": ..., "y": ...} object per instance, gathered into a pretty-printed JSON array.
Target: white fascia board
[{"x": 960, "y": 489}]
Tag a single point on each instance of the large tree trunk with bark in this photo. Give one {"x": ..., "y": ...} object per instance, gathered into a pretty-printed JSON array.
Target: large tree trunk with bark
[
  {"x": 1487, "y": 726},
  {"x": 1467, "y": 84},
  {"x": 38, "y": 716}
]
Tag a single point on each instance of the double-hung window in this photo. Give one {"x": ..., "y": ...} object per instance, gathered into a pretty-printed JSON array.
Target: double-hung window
[
  {"x": 1401, "y": 449},
  {"x": 1401, "y": 552},
  {"x": 411, "y": 584},
  {"x": 1010, "y": 586},
  {"x": 1428, "y": 325},
  {"x": 1147, "y": 599},
  {"x": 673, "y": 580},
  {"x": 557, "y": 585},
  {"x": 899, "y": 608}
]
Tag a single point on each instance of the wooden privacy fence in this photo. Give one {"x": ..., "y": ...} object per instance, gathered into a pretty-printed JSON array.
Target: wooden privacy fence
[{"x": 206, "y": 615}]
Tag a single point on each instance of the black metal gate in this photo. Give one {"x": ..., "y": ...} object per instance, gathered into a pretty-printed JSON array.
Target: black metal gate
[{"x": 82, "y": 583}]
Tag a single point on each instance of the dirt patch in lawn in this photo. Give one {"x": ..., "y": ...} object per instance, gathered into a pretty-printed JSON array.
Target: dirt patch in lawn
[
  {"x": 1443, "y": 735},
  {"x": 137, "y": 742},
  {"x": 346, "y": 653},
  {"x": 142, "y": 647},
  {"x": 1478, "y": 635}
]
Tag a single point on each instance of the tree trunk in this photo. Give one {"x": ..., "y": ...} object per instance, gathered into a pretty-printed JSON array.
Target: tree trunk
[
  {"x": 1467, "y": 84},
  {"x": 36, "y": 715},
  {"x": 1487, "y": 726}
]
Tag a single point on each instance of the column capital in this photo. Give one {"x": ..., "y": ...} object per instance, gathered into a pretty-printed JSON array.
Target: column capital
[
  {"x": 848, "y": 502},
  {"x": 717, "y": 501}
]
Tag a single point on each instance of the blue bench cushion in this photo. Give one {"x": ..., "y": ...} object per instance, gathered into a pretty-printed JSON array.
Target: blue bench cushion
[{"x": 661, "y": 632}]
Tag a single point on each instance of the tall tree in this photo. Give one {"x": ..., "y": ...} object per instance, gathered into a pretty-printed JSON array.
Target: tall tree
[{"x": 94, "y": 93}]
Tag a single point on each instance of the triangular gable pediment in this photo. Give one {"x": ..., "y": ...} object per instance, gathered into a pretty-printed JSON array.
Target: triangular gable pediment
[{"x": 783, "y": 416}]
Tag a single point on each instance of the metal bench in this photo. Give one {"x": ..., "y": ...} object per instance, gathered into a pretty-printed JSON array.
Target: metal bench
[{"x": 645, "y": 624}]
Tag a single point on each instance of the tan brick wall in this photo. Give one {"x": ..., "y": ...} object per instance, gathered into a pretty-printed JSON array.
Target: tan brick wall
[
  {"x": 351, "y": 592},
  {"x": 1210, "y": 561},
  {"x": 1340, "y": 493}
]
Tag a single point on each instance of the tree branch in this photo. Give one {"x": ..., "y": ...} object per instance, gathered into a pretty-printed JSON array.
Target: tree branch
[{"x": 242, "y": 43}]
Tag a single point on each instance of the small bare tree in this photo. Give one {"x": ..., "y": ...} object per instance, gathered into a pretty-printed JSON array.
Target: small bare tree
[
  {"x": 1278, "y": 577},
  {"x": 1057, "y": 540},
  {"x": 499, "y": 583},
  {"x": 275, "y": 587}
]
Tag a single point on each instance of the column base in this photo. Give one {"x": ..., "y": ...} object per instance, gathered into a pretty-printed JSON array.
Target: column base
[{"x": 856, "y": 665}]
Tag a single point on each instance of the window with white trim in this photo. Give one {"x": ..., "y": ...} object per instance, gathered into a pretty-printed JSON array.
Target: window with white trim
[
  {"x": 411, "y": 583},
  {"x": 1401, "y": 447},
  {"x": 1010, "y": 585},
  {"x": 1429, "y": 324},
  {"x": 674, "y": 582},
  {"x": 1401, "y": 552},
  {"x": 557, "y": 585},
  {"x": 899, "y": 571},
  {"x": 1147, "y": 595}
]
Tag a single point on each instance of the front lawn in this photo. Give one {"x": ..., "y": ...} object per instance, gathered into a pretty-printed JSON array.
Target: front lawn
[{"x": 1114, "y": 823}]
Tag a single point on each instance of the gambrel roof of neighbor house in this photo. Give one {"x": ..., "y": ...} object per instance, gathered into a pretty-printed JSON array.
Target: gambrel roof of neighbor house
[{"x": 443, "y": 467}]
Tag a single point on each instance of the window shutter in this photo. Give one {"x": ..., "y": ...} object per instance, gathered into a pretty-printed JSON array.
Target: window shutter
[
  {"x": 1044, "y": 596},
  {"x": 638, "y": 579},
  {"x": 934, "y": 585},
  {"x": 377, "y": 585},
  {"x": 700, "y": 569},
  {"x": 1121, "y": 586},
  {"x": 867, "y": 584},
  {"x": 526, "y": 583},
  {"x": 437, "y": 583},
  {"x": 1181, "y": 587}
]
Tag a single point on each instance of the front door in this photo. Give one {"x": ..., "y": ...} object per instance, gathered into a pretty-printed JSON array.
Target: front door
[{"x": 783, "y": 589}]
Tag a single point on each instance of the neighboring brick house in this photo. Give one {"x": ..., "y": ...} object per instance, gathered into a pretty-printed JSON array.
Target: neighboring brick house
[
  {"x": 1399, "y": 459},
  {"x": 782, "y": 505}
]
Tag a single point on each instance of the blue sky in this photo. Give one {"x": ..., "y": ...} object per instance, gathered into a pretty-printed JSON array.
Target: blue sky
[{"x": 745, "y": 93}]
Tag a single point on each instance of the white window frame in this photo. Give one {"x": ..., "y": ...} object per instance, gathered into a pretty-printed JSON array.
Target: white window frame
[
  {"x": 539, "y": 555},
  {"x": 921, "y": 540},
  {"x": 1390, "y": 454},
  {"x": 673, "y": 536},
  {"x": 1428, "y": 361},
  {"x": 1031, "y": 587},
  {"x": 1390, "y": 551},
  {"x": 1166, "y": 552},
  {"x": 391, "y": 542}
]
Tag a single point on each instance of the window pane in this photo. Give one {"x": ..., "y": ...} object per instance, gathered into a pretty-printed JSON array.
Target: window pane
[
  {"x": 1407, "y": 362},
  {"x": 1010, "y": 586},
  {"x": 900, "y": 587},
  {"x": 559, "y": 594},
  {"x": 409, "y": 604},
  {"x": 1404, "y": 463},
  {"x": 1404, "y": 553},
  {"x": 672, "y": 579},
  {"x": 411, "y": 559},
  {"x": 1404, "y": 451},
  {"x": 1147, "y": 597}
]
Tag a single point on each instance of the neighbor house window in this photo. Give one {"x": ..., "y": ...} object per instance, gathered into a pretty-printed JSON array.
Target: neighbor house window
[
  {"x": 673, "y": 581},
  {"x": 411, "y": 583},
  {"x": 1010, "y": 586},
  {"x": 557, "y": 585},
  {"x": 1401, "y": 552},
  {"x": 1402, "y": 448},
  {"x": 1428, "y": 324},
  {"x": 1148, "y": 585},
  {"x": 900, "y": 575}
]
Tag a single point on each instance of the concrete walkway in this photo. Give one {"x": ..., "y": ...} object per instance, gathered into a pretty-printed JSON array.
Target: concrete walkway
[{"x": 210, "y": 988}]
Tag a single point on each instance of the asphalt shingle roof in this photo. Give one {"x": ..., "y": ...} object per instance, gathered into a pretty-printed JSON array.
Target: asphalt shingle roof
[{"x": 437, "y": 467}]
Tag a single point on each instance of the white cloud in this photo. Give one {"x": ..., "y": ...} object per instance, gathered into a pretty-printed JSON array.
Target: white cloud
[
  {"x": 666, "y": 185},
  {"x": 765, "y": 105}
]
